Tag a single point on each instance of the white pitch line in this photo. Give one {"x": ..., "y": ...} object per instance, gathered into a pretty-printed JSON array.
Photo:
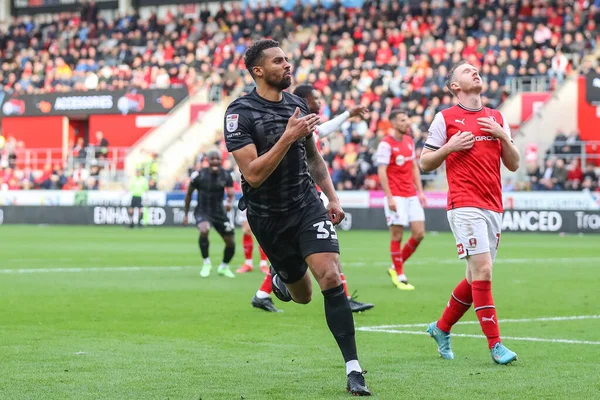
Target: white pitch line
[
  {"x": 524, "y": 339},
  {"x": 352, "y": 264},
  {"x": 93, "y": 269},
  {"x": 541, "y": 319}
]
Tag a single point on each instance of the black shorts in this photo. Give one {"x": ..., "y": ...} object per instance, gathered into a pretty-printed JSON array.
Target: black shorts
[
  {"x": 288, "y": 239},
  {"x": 136, "y": 202},
  {"x": 219, "y": 221}
]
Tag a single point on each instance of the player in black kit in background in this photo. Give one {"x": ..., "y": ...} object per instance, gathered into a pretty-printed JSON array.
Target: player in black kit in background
[
  {"x": 210, "y": 183},
  {"x": 269, "y": 133}
]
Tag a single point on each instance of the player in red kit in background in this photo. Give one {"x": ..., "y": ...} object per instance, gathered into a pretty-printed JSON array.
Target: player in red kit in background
[
  {"x": 472, "y": 140},
  {"x": 248, "y": 243},
  {"x": 400, "y": 179}
]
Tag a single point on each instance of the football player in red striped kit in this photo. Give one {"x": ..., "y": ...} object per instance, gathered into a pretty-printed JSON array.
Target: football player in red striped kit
[
  {"x": 472, "y": 140},
  {"x": 400, "y": 179}
]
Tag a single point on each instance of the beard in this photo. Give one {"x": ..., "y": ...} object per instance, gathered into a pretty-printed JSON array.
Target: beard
[
  {"x": 474, "y": 88},
  {"x": 280, "y": 84}
]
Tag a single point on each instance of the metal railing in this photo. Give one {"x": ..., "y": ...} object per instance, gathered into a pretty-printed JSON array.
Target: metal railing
[
  {"x": 38, "y": 158},
  {"x": 541, "y": 83},
  {"x": 586, "y": 151}
]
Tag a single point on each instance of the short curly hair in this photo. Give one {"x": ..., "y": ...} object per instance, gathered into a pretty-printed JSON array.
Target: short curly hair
[
  {"x": 304, "y": 90},
  {"x": 254, "y": 53}
]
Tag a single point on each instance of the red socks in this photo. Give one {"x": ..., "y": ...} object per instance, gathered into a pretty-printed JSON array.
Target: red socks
[
  {"x": 396, "y": 257},
  {"x": 457, "y": 306},
  {"x": 248, "y": 246},
  {"x": 409, "y": 248},
  {"x": 483, "y": 302},
  {"x": 266, "y": 285},
  {"x": 344, "y": 283},
  {"x": 480, "y": 294}
]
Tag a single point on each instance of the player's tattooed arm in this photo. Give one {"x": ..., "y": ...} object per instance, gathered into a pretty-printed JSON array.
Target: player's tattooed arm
[{"x": 318, "y": 170}]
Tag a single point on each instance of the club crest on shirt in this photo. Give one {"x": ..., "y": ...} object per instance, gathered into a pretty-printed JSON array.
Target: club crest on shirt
[{"x": 231, "y": 122}]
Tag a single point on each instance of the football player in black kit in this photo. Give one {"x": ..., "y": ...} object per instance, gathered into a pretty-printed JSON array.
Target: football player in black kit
[
  {"x": 211, "y": 182},
  {"x": 269, "y": 133}
]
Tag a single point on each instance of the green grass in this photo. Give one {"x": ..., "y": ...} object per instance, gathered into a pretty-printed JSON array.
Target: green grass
[{"x": 168, "y": 334}]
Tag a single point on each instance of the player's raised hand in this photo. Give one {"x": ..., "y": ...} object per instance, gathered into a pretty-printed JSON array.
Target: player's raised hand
[
  {"x": 335, "y": 211},
  {"x": 297, "y": 128},
  {"x": 492, "y": 127},
  {"x": 359, "y": 111},
  {"x": 461, "y": 141}
]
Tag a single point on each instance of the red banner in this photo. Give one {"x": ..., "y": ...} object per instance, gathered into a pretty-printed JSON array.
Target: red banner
[{"x": 531, "y": 103}]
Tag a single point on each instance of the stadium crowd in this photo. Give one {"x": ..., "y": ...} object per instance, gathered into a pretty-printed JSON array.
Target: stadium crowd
[
  {"x": 563, "y": 167},
  {"x": 389, "y": 54}
]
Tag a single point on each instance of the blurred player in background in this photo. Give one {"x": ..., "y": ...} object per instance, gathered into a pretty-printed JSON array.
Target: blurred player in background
[
  {"x": 262, "y": 297},
  {"x": 269, "y": 133},
  {"x": 211, "y": 182},
  {"x": 138, "y": 187},
  {"x": 248, "y": 243},
  {"x": 308, "y": 93},
  {"x": 400, "y": 178},
  {"x": 472, "y": 140}
]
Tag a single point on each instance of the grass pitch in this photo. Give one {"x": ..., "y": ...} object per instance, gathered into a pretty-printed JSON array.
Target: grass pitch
[{"x": 110, "y": 313}]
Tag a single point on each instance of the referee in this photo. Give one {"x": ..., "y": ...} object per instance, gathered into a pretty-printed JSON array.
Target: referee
[{"x": 138, "y": 188}]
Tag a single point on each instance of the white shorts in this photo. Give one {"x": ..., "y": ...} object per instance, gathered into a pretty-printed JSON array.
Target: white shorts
[
  {"x": 476, "y": 230},
  {"x": 241, "y": 216},
  {"x": 408, "y": 209}
]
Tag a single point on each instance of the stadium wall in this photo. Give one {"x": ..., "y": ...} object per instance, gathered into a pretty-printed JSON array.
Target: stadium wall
[
  {"x": 549, "y": 221},
  {"x": 36, "y": 132},
  {"x": 565, "y": 212},
  {"x": 124, "y": 130}
]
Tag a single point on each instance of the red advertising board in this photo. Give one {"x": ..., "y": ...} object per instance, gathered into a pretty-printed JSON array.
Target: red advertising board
[{"x": 531, "y": 102}]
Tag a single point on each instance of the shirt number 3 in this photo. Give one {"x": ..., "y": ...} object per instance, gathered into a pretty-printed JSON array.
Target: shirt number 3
[{"x": 325, "y": 232}]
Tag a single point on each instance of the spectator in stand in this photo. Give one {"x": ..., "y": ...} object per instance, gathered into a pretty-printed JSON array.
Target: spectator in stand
[
  {"x": 574, "y": 175},
  {"x": 559, "y": 175},
  {"x": 101, "y": 146},
  {"x": 385, "y": 55},
  {"x": 559, "y": 66},
  {"x": 79, "y": 150},
  {"x": 590, "y": 179},
  {"x": 546, "y": 176}
]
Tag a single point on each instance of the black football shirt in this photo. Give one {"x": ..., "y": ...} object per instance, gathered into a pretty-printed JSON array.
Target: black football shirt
[{"x": 254, "y": 120}]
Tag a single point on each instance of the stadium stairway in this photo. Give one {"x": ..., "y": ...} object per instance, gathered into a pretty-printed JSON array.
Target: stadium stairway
[
  {"x": 177, "y": 140},
  {"x": 559, "y": 112}
]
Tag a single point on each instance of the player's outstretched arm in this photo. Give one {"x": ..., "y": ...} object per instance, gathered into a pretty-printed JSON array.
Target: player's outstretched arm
[
  {"x": 327, "y": 128},
  {"x": 257, "y": 169}
]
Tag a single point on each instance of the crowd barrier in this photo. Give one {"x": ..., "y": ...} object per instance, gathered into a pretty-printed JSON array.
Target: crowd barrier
[{"x": 567, "y": 212}]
